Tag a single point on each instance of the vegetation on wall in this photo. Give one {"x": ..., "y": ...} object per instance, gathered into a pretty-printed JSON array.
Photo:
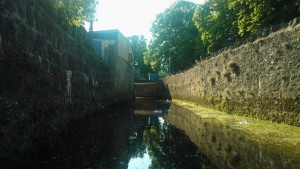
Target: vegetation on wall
[
  {"x": 70, "y": 12},
  {"x": 186, "y": 31}
]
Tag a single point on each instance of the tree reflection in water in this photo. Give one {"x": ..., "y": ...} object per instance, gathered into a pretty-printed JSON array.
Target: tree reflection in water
[
  {"x": 117, "y": 140},
  {"x": 166, "y": 146}
]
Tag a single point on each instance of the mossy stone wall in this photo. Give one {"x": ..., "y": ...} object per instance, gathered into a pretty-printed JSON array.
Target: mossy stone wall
[{"x": 260, "y": 79}]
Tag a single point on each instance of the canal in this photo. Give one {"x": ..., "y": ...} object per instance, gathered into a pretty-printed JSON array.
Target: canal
[{"x": 155, "y": 134}]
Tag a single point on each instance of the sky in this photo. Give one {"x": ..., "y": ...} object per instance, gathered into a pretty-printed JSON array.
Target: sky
[{"x": 131, "y": 17}]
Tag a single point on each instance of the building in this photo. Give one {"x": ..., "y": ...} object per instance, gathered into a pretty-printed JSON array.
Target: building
[
  {"x": 111, "y": 43},
  {"x": 114, "y": 49}
]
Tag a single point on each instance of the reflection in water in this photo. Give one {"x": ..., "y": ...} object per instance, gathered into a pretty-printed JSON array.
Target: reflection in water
[
  {"x": 228, "y": 147},
  {"x": 159, "y": 145},
  {"x": 98, "y": 141},
  {"x": 119, "y": 139},
  {"x": 142, "y": 138},
  {"x": 140, "y": 162}
]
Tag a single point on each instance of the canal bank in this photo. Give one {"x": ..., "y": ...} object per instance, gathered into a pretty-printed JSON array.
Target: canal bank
[
  {"x": 260, "y": 79},
  {"x": 232, "y": 141}
]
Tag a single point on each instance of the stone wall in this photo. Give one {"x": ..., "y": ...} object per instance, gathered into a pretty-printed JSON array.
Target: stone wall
[
  {"x": 47, "y": 78},
  {"x": 260, "y": 79}
]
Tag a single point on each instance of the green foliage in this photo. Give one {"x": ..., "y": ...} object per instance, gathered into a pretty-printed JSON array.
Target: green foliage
[
  {"x": 173, "y": 47},
  {"x": 152, "y": 57},
  {"x": 254, "y": 15},
  {"x": 216, "y": 24},
  {"x": 223, "y": 22},
  {"x": 139, "y": 47},
  {"x": 70, "y": 12}
]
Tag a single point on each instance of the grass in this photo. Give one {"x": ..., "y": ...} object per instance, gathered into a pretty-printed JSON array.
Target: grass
[{"x": 281, "y": 135}]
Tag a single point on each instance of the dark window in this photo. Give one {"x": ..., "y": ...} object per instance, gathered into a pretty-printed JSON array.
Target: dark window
[{"x": 98, "y": 47}]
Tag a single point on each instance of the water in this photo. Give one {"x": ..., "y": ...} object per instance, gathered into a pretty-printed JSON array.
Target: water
[
  {"x": 229, "y": 146},
  {"x": 143, "y": 136},
  {"x": 156, "y": 144},
  {"x": 124, "y": 137}
]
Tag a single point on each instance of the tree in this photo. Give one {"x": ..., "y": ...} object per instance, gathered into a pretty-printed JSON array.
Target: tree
[
  {"x": 173, "y": 44},
  {"x": 222, "y": 22},
  {"x": 216, "y": 24},
  {"x": 77, "y": 11},
  {"x": 71, "y": 12},
  {"x": 139, "y": 47},
  {"x": 254, "y": 15}
]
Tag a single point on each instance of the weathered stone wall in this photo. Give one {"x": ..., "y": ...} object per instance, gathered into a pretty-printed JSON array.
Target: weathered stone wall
[
  {"x": 47, "y": 78},
  {"x": 260, "y": 79},
  {"x": 123, "y": 79}
]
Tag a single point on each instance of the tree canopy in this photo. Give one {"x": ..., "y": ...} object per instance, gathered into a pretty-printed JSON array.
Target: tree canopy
[
  {"x": 222, "y": 22},
  {"x": 216, "y": 25},
  {"x": 172, "y": 47},
  {"x": 139, "y": 46},
  {"x": 71, "y": 12},
  {"x": 254, "y": 15},
  {"x": 185, "y": 31}
]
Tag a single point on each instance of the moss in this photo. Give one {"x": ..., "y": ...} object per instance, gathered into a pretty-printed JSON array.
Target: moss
[
  {"x": 217, "y": 73},
  {"x": 225, "y": 75},
  {"x": 224, "y": 55},
  {"x": 260, "y": 41},
  {"x": 281, "y": 134},
  {"x": 249, "y": 45},
  {"x": 223, "y": 102},
  {"x": 233, "y": 67},
  {"x": 211, "y": 81},
  {"x": 285, "y": 111},
  {"x": 285, "y": 46}
]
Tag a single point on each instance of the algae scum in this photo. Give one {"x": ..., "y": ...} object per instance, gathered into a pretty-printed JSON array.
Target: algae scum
[{"x": 238, "y": 142}]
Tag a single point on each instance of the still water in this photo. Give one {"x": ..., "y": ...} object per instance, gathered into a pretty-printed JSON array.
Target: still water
[
  {"x": 156, "y": 144},
  {"x": 152, "y": 134},
  {"x": 128, "y": 136}
]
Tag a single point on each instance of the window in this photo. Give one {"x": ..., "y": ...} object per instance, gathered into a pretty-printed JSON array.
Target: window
[{"x": 98, "y": 47}]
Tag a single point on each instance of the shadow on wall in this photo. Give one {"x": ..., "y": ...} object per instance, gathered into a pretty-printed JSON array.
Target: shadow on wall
[{"x": 153, "y": 89}]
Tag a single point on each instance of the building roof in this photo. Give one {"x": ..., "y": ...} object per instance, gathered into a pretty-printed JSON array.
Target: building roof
[{"x": 107, "y": 34}]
